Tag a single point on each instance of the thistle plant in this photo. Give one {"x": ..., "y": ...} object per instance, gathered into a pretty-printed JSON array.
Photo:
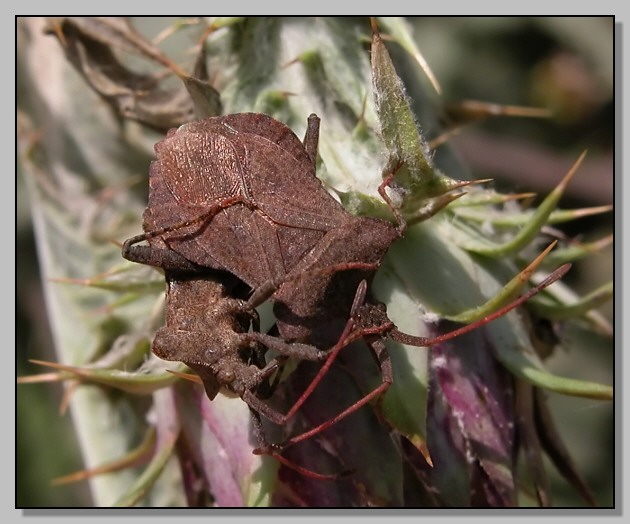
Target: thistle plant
[{"x": 465, "y": 423}]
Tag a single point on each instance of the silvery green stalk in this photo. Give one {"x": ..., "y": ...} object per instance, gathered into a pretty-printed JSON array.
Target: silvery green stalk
[{"x": 448, "y": 431}]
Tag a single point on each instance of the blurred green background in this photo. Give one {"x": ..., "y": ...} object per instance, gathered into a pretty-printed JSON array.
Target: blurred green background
[{"x": 564, "y": 64}]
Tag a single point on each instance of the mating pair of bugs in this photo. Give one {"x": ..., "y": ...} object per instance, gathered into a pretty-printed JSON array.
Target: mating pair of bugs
[{"x": 236, "y": 216}]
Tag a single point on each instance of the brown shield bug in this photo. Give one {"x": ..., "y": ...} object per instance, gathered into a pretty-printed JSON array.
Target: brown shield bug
[
  {"x": 207, "y": 326},
  {"x": 239, "y": 194},
  {"x": 253, "y": 180}
]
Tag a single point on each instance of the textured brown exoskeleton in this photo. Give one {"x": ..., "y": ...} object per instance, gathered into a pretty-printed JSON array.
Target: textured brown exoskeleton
[
  {"x": 207, "y": 326},
  {"x": 237, "y": 193}
]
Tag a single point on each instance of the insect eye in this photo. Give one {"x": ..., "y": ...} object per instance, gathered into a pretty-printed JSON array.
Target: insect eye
[{"x": 226, "y": 376}]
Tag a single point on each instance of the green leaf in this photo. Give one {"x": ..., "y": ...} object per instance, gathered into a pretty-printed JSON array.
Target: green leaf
[
  {"x": 69, "y": 158},
  {"x": 409, "y": 155},
  {"x": 528, "y": 232},
  {"x": 514, "y": 351}
]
